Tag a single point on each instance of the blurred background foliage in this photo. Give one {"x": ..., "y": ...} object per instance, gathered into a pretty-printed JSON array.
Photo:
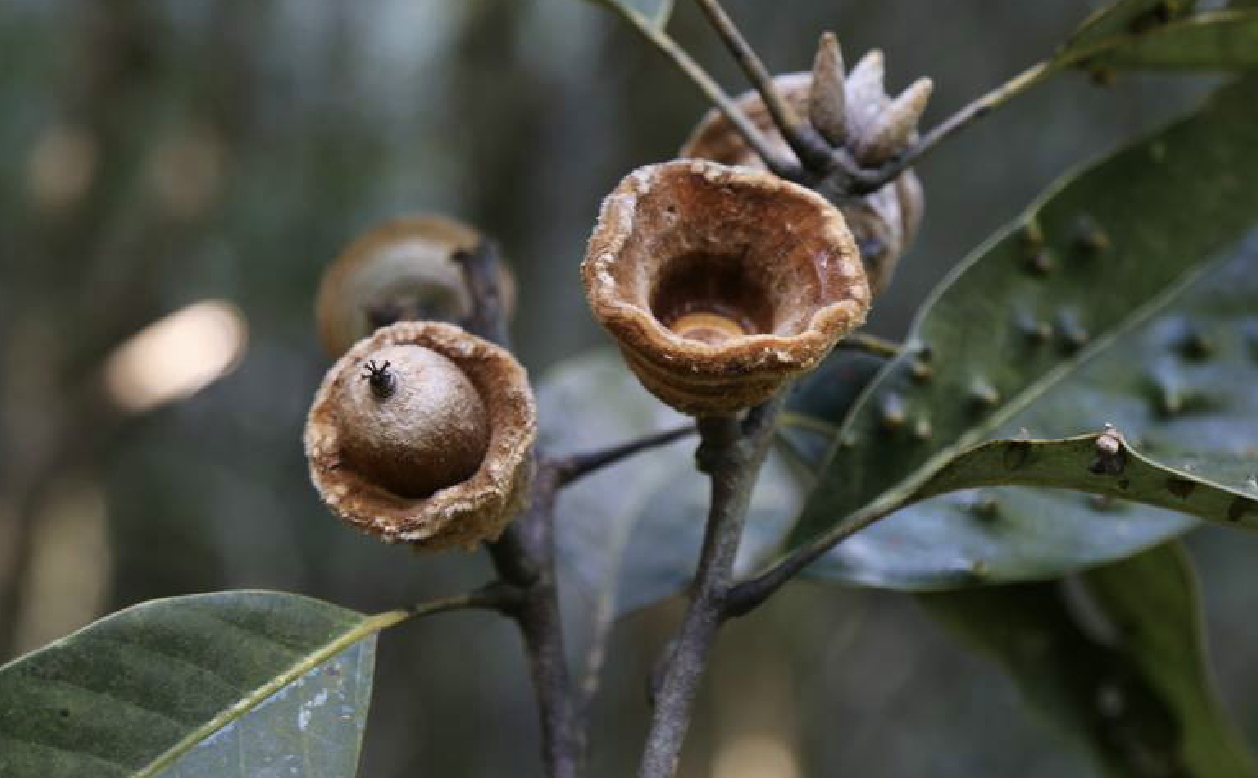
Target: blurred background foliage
[{"x": 154, "y": 156}]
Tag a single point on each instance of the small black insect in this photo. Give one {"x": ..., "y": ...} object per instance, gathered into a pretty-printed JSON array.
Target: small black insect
[{"x": 383, "y": 381}]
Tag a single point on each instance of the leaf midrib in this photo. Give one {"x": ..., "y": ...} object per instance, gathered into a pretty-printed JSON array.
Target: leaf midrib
[
  {"x": 244, "y": 706},
  {"x": 901, "y": 493}
]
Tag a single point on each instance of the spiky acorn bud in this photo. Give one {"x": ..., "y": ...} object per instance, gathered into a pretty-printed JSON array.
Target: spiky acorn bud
[{"x": 853, "y": 111}]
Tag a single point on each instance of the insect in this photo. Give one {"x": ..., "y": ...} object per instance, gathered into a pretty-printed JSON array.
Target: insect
[{"x": 382, "y": 380}]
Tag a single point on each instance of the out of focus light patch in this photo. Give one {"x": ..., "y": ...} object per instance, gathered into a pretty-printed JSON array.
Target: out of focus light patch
[
  {"x": 755, "y": 756},
  {"x": 60, "y": 167},
  {"x": 177, "y": 356},
  {"x": 70, "y": 565}
]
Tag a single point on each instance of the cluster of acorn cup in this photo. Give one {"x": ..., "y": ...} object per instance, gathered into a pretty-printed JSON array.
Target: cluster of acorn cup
[{"x": 719, "y": 281}]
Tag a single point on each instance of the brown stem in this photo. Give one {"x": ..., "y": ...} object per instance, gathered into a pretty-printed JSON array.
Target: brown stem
[
  {"x": 574, "y": 466},
  {"x": 480, "y": 272},
  {"x": 495, "y": 596},
  {"x": 755, "y": 139},
  {"x": 732, "y": 454},
  {"x": 542, "y": 629},
  {"x": 750, "y": 594},
  {"x": 871, "y": 344},
  {"x": 805, "y": 141},
  {"x": 524, "y": 555},
  {"x": 866, "y": 181}
]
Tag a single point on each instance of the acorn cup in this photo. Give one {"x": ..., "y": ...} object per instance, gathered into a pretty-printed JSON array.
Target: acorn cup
[
  {"x": 401, "y": 270},
  {"x": 720, "y": 284},
  {"x": 422, "y": 434},
  {"x": 852, "y": 111}
]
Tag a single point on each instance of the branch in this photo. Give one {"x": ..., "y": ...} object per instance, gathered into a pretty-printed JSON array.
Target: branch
[
  {"x": 806, "y": 142},
  {"x": 574, "y": 466},
  {"x": 480, "y": 272},
  {"x": 752, "y": 593},
  {"x": 780, "y": 165},
  {"x": 524, "y": 555},
  {"x": 732, "y": 454},
  {"x": 495, "y": 596},
  {"x": 542, "y": 629},
  {"x": 871, "y": 344},
  {"x": 866, "y": 181}
]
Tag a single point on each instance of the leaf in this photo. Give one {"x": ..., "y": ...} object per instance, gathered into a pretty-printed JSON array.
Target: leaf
[
  {"x": 1152, "y": 603},
  {"x": 1078, "y": 463},
  {"x": 1051, "y": 326},
  {"x": 821, "y": 399},
  {"x": 655, "y": 13},
  {"x": 1135, "y": 689},
  {"x": 1126, "y": 17},
  {"x": 1220, "y": 40},
  {"x": 1180, "y": 387},
  {"x": 226, "y": 684}
]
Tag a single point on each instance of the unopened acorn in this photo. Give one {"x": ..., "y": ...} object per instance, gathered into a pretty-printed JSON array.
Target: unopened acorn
[
  {"x": 719, "y": 283},
  {"x": 401, "y": 270},
  {"x": 422, "y": 434},
  {"x": 851, "y": 111}
]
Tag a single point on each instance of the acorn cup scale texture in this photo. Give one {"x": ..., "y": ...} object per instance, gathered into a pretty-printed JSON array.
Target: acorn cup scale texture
[
  {"x": 422, "y": 434},
  {"x": 720, "y": 284}
]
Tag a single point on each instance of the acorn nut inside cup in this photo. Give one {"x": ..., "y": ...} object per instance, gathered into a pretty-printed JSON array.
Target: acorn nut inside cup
[
  {"x": 719, "y": 283},
  {"x": 413, "y": 421},
  {"x": 422, "y": 434}
]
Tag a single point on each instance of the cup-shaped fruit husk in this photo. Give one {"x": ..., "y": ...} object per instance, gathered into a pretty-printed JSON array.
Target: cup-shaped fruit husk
[
  {"x": 401, "y": 269},
  {"x": 462, "y": 514},
  {"x": 720, "y": 284}
]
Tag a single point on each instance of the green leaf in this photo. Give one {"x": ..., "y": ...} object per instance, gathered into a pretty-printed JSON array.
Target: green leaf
[
  {"x": 1151, "y": 601},
  {"x": 655, "y": 13},
  {"x": 1126, "y": 17},
  {"x": 1061, "y": 323},
  {"x": 820, "y": 400},
  {"x": 226, "y": 684},
  {"x": 1079, "y": 463},
  {"x": 623, "y": 548},
  {"x": 1180, "y": 387},
  {"x": 1210, "y": 41},
  {"x": 1129, "y": 682}
]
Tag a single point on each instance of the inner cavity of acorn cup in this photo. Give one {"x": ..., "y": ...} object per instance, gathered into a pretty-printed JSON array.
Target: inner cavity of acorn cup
[{"x": 711, "y": 298}]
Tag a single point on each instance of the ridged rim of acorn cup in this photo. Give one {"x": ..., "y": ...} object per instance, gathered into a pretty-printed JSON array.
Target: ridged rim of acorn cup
[
  {"x": 458, "y": 516},
  {"x": 720, "y": 233}
]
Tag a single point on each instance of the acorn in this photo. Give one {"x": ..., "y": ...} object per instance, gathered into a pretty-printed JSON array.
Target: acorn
[
  {"x": 720, "y": 284},
  {"x": 401, "y": 270},
  {"x": 850, "y": 111},
  {"x": 422, "y": 434}
]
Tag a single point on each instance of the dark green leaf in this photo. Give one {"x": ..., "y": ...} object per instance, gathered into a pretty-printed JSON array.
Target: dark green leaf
[
  {"x": 1127, "y": 17},
  {"x": 227, "y": 684},
  {"x": 1082, "y": 464},
  {"x": 1053, "y": 326},
  {"x": 1151, "y": 601},
  {"x": 1212, "y": 41},
  {"x": 821, "y": 400},
  {"x": 1181, "y": 387},
  {"x": 1129, "y": 682}
]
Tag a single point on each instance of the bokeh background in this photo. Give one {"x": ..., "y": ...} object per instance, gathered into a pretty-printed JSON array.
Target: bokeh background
[{"x": 209, "y": 158}]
